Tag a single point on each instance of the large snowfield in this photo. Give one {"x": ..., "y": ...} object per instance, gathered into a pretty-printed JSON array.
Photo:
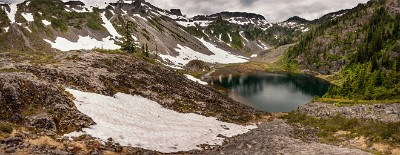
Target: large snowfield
[{"x": 139, "y": 122}]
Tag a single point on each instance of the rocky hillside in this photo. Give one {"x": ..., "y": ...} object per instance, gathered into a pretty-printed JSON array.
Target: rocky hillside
[
  {"x": 31, "y": 25},
  {"x": 360, "y": 47},
  {"x": 245, "y": 32},
  {"x": 34, "y": 100}
]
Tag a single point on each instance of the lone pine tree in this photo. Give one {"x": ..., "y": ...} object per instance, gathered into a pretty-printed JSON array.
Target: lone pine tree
[{"x": 128, "y": 43}]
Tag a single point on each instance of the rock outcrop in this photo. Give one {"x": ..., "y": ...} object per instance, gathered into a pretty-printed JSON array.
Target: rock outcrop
[
  {"x": 176, "y": 12},
  {"x": 26, "y": 100},
  {"x": 380, "y": 112},
  {"x": 279, "y": 137}
]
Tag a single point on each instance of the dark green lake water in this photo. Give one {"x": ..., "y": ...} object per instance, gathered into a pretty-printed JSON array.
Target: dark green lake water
[{"x": 272, "y": 92}]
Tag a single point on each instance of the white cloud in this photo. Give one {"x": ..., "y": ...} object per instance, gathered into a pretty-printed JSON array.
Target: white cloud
[{"x": 273, "y": 10}]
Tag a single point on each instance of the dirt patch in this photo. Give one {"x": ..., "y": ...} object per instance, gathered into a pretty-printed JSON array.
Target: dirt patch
[
  {"x": 341, "y": 133},
  {"x": 396, "y": 151},
  {"x": 359, "y": 142}
]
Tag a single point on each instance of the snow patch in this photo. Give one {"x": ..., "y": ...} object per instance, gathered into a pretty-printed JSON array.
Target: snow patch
[
  {"x": 190, "y": 77},
  {"x": 230, "y": 38},
  {"x": 187, "y": 54},
  {"x": 241, "y": 34},
  {"x": 28, "y": 17},
  {"x": 137, "y": 15},
  {"x": 95, "y": 3},
  {"x": 7, "y": 28},
  {"x": 83, "y": 9},
  {"x": 46, "y": 22},
  {"x": 13, "y": 11},
  {"x": 262, "y": 45},
  {"x": 240, "y": 21},
  {"x": 110, "y": 28},
  {"x": 194, "y": 23},
  {"x": 82, "y": 43},
  {"x": 27, "y": 28},
  {"x": 254, "y": 56},
  {"x": 140, "y": 122}
]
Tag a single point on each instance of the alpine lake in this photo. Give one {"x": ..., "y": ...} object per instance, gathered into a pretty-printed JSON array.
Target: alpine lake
[{"x": 272, "y": 92}]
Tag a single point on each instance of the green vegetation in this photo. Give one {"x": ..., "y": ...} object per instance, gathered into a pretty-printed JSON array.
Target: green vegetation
[
  {"x": 350, "y": 102},
  {"x": 374, "y": 131},
  {"x": 32, "y": 57},
  {"x": 195, "y": 31},
  {"x": 367, "y": 47},
  {"x": 94, "y": 21},
  {"x": 6, "y": 128},
  {"x": 54, "y": 11},
  {"x": 50, "y": 9},
  {"x": 58, "y": 23},
  {"x": 145, "y": 50},
  {"x": 374, "y": 72},
  {"x": 4, "y": 21}
]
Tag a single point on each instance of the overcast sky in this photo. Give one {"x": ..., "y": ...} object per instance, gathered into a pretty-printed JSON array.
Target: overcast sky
[{"x": 273, "y": 10}]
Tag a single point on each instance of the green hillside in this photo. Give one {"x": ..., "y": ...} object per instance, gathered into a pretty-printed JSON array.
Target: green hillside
[{"x": 361, "y": 48}]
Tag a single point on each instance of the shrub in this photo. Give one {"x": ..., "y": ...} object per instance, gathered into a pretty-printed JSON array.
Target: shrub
[{"x": 6, "y": 128}]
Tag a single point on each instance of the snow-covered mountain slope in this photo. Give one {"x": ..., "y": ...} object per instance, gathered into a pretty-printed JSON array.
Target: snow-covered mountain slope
[{"x": 48, "y": 25}]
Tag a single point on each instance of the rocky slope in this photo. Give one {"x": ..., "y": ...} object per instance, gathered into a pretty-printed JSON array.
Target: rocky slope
[
  {"x": 33, "y": 98},
  {"x": 108, "y": 74},
  {"x": 32, "y": 26}
]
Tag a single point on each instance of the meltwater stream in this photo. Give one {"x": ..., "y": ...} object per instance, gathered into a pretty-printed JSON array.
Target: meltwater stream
[{"x": 273, "y": 92}]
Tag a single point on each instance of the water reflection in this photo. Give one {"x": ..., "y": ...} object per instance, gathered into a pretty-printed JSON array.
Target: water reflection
[{"x": 273, "y": 92}]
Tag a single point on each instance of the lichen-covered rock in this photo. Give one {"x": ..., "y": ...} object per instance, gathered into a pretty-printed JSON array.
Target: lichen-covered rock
[{"x": 43, "y": 121}]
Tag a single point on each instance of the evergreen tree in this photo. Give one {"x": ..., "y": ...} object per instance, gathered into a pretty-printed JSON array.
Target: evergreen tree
[
  {"x": 143, "y": 50},
  {"x": 147, "y": 51},
  {"x": 128, "y": 43}
]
